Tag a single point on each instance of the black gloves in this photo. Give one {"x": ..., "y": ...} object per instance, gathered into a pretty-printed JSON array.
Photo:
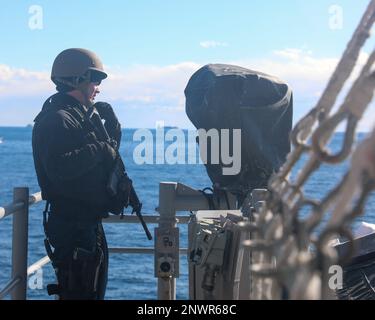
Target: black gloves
[
  {"x": 112, "y": 125},
  {"x": 108, "y": 153},
  {"x": 105, "y": 111}
]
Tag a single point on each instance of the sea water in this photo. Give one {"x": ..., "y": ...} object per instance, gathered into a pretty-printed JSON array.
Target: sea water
[{"x": 130, "y": 276}]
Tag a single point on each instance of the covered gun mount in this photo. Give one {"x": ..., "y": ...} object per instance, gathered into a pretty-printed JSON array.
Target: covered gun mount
[{"x": 220, "y": 96}]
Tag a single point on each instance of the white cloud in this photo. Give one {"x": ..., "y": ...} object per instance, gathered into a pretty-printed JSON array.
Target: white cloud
[
  {"x": 302, "y": 64},
  {"x": 157, "y": 91},
  {"x": 23, "y": 82},
  {"x": 147, "y": 84},
  {"x": 212, "y": 44},
  {"x": 307, "y": 75},
  {"x": 138, "y": 93},
  {"x": 291, "y": 53}
]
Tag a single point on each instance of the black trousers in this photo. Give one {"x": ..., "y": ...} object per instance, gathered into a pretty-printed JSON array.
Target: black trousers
[{"x": 80, "y": 257}]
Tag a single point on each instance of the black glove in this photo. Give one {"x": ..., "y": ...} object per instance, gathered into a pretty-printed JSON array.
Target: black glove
[
  {"x": 109, "y": 154},
  {"x": 105, "y": 111},
  {"x": 122, "y": 198}
]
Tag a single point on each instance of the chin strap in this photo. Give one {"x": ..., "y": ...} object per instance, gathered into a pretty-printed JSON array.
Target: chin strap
[{"x": 79, "y": 83}]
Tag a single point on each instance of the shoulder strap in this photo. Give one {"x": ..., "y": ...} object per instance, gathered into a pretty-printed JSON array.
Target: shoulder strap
[
  {"x": 47, "y": 244},
  {"x": 93, "y": 117}
]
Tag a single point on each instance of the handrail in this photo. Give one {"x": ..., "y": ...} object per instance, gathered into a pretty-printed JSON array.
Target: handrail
[
  {"x": 148, "y": 219},
  {"x": 10, "y": 209},
  {"x": 173, "y": 197},
  {"x": 38, "y": 265},
  {"x": 140, "y": 250},
  {"x": 35, "y": 198},
  {"x": 17, "y": 284},
  {"x": 20, "y": 208},
  {"x": 9, "y": 287},
  {"x": 15, "y": 207},
  {"x": 128, "y": 250}
]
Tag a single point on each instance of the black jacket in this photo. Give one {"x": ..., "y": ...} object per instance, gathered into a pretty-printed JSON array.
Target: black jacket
[{"x": 71, "y": 160}]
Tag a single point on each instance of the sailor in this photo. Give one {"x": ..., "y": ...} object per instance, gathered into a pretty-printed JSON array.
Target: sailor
[{"x": 72, "y": 163}]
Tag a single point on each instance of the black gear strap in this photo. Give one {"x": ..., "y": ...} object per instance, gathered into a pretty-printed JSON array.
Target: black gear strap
[{"x": 47, "y": 244}]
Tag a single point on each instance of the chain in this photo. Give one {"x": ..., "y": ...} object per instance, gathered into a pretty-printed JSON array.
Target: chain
[{"x": 290, "y": 259}]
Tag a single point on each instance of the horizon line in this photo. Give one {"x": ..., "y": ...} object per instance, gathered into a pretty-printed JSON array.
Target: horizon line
[{"x": 169, "y": 127}]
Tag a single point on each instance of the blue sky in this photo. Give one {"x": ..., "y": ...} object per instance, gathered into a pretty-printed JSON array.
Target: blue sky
[{"x": 151, "y": 48}]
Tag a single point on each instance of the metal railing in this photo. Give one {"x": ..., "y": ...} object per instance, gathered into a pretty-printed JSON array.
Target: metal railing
[
  {"x": 19, "y": 208},
  {"x": 173, "y": 197},
  {"x": 17, "y": 285}
]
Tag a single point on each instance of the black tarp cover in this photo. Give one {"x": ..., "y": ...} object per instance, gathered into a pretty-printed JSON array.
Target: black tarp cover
[{"x": 230, "y": 97}]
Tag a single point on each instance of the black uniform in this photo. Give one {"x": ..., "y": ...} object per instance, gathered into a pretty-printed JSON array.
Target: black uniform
[{"x": 73, "y": 163}]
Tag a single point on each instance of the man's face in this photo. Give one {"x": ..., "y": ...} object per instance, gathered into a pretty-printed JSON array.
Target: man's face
[{"x": 92, "y": 91}]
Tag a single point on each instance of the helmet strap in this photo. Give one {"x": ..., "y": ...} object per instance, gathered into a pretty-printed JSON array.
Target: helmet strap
[
  {"x": 69, "y": 83},
  {"x": 81, "y": 84}
]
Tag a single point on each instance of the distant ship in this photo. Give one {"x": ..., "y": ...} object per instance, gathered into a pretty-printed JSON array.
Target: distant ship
[
  {"x": 162, "y": 126},
  {"x": 1, "y": 140}
]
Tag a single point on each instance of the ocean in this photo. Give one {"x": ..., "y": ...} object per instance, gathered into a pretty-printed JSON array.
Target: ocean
[{"x": 130, "y": 276}]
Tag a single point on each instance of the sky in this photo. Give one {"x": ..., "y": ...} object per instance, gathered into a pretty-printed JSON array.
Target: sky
[{"x": 151, "y": 48}]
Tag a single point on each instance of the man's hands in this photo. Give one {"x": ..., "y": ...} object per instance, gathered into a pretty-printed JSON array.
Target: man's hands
[
  {"x": 111, "y": 124},
  {"x": 109, "y": 154},
  {"x": 105, "y": 111}
]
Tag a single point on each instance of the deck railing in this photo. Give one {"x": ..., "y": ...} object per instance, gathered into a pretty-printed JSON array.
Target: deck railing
[
  {"x": 173, "y": 197},
  {"x": 19, "y": 208}
]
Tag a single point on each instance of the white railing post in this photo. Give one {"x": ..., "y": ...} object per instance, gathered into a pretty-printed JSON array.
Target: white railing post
[{"x": 20, "y": 243}]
